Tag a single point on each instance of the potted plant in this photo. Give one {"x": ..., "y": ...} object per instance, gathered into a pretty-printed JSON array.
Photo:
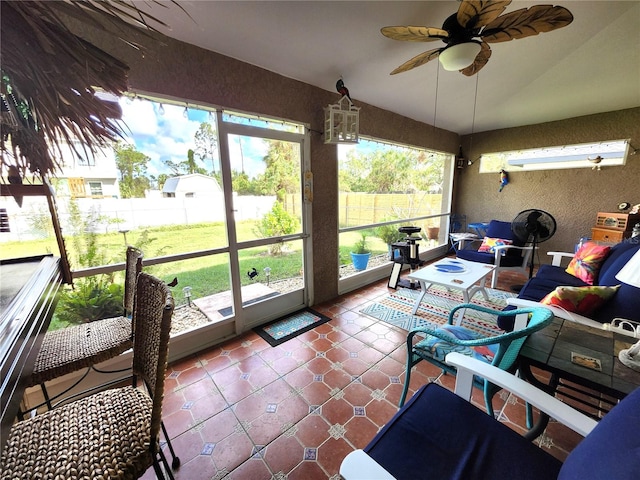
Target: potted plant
[
  {"x": 389, "y": 234},
  {"x": 360, "y": 253}
]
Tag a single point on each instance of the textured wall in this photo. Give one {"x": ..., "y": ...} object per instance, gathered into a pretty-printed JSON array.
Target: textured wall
[
  {"x": 182, "y": 71},
  {"x": 572, "y": 196}
]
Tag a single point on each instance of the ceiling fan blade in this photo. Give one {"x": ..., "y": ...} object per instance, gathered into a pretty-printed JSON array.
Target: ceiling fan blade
[
  {"x": 526, "y": 22},
  {"x": 481, "y": 60},
  {"x": 474, "y": 14},
  {"x": 418, "y": 60},
  {"x": 414, "y": 34}
]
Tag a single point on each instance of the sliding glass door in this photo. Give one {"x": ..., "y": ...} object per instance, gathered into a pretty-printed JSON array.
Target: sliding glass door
[{"x": 266, "y": 217}]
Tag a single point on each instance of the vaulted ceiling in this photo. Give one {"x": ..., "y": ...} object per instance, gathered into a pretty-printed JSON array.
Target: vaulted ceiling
[{"x": 590, "y": 66}]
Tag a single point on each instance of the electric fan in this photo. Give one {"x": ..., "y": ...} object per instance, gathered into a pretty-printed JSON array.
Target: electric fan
[{"x": 533, "y": 226}]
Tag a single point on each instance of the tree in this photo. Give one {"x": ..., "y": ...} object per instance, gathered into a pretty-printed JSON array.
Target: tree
[
  {"x": 189, "y": 166},
  {"x": 206, "y": 142},
  {"x": 242, "y": 184},
  {"x": 133, "y": 170},
  {"x": 282, "y": 174},
  {"x": 161, "y": 180},
  {"x": 390, "y": 171}
]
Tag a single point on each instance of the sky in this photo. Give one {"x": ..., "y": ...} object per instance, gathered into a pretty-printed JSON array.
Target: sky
[{"x": 167, "y": 134}]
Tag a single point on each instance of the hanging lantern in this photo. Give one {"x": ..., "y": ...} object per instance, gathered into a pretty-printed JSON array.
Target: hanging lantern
[{"x": 341, "y": 122}]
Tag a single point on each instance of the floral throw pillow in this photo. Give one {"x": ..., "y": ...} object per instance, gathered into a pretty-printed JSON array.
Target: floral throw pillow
[
  {"x": 582, "y": 300},
  {"x": 489, "y": 243},
  {"x": 587, "y": 261}
]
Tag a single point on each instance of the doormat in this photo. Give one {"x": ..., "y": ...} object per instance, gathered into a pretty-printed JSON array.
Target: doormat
[
  {"x": 289, "y": 326},
  {"x": 434, "y": 309}
]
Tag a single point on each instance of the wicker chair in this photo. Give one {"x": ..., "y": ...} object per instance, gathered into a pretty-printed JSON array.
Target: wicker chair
[
  {"x": 83, "y": 346},
  {"x": 500, "y": 350},
  {"x": 113, "y": 434}
]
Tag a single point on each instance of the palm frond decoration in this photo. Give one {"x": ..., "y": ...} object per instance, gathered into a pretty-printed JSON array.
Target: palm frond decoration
[{"x": 49, "y": 78}]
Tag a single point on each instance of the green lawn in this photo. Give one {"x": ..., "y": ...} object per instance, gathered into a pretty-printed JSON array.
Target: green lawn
[{"x": 206, "y": 275}]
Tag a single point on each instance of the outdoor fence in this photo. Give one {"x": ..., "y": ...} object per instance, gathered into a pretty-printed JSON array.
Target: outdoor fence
[{"x": 32, "y": 221}]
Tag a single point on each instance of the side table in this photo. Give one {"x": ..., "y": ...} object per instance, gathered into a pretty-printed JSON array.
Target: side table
[{"x": 581, "y": 360}]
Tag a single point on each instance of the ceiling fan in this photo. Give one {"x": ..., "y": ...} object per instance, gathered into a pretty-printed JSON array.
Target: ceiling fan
[{"x": 468, "y": 32}]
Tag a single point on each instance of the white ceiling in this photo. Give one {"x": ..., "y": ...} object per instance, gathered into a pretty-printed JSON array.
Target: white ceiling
[{"x": 590, "y": 66}]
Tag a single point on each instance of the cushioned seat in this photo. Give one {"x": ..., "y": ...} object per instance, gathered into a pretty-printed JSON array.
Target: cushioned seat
[
  {"x": 624, "y": 304},
  {"x": 440, "y": 435},
  {"x": 456, "y": 442},
  {"x": 513, "y": 255}
]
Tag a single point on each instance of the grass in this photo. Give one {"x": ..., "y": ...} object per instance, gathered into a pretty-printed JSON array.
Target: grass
[{"x": 206, "y": 275}]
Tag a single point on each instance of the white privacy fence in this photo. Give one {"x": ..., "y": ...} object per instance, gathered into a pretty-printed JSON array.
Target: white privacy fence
[{"x": 32, "y": 221}]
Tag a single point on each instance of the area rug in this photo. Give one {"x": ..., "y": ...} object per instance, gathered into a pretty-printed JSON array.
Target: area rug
[
  {"x": 290, "y": 326},
  {"x": 435, "y": 307}
]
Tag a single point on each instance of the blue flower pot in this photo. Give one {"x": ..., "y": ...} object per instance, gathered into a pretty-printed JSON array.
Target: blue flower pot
[{"x": 360, "y": 260}]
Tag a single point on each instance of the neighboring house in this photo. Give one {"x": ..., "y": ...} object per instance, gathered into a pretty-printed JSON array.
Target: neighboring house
[
  {"x": 91, "y": 176},
  {"x": 191, "y": 186}
]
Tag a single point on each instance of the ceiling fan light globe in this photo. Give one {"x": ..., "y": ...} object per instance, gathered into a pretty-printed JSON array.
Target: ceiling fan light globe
[{"x": 459, "y": 56}]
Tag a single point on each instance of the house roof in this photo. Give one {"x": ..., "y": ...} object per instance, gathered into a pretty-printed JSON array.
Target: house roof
[
  {"x": 191, "y": 183},
  {"x": 590, "y": 66}
]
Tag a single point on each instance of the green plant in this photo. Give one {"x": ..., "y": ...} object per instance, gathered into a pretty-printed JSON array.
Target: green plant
[
  {"x": 389, "y": 233},
  {"x": 91, "y": 298},
  {"x": 361, "y": 246},
  {"x": 275, "y": 223}
]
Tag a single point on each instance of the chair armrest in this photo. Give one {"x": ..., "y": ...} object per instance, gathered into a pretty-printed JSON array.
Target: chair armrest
[
  {"x": 360, "y": 466},
  {"x": 556, "y": 261},
  {"x": 467, "y": 243},
  {"x": 467, "y": 367},
  {"x": 507, "y": 247},
  {"x": 501, "y": 250},
  {"x": 489, "y": 340},
  {"x": 557, "y": 312}
]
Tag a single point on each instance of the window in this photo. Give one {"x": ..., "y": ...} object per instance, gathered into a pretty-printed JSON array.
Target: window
[
  {"x": 384, "y": 186},
  {"x": 96, "y": 189},
  {"x": 586, "y": 155},
  {"x": 86, "y": 161}
]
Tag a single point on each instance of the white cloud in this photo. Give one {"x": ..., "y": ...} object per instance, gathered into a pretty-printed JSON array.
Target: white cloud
[{"x": 139, "y": 117}]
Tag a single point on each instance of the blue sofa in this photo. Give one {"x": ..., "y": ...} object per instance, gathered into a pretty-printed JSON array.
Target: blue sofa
[{"x": 624, "y": 304}]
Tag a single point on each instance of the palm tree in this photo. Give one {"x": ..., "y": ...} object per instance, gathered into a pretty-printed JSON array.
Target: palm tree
[{"x": 50, "y": 77}]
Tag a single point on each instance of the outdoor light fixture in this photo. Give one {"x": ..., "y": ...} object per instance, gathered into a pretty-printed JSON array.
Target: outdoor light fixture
[
  {"x": 267, "y": 272},
  {"x": 342, "y": 122},
  {"x": 457, "y": 57},
  {"x": 630, "y": 274},
  {"x": 187, "y": 294}
]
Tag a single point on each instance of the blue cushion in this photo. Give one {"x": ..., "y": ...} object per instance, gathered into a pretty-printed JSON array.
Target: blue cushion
[
  {"x": 499, "y": 229},
  {"x": 625, "y": 303},
  {"x": 618, "y": 257},
  {"x": 496, "y": 229},
  {"x": 612, "y": 449},
  {"x": 439, "y": 348},
  {"x": 438, "y": 435},
  {"x": 483, "y": 257},
  {"x": 549, "y": 274},
  {"x": 546, "y": 280}
]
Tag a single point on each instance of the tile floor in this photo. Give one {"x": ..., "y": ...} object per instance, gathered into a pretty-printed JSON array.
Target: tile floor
[{"x": 246, "y": 410}]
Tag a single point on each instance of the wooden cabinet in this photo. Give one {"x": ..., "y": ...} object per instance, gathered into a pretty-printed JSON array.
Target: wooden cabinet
[
  {"x": 613, "y": 227},
  {"x": 606, "y": 235}
]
